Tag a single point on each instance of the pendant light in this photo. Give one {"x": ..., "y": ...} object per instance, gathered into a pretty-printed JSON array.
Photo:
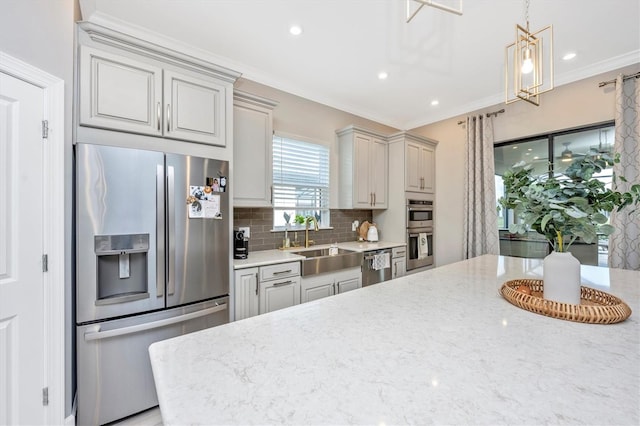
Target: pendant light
[{"x": 529, "y": 63}]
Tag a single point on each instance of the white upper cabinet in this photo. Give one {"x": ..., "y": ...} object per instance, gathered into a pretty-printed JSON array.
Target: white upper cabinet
[
  {"x": 119, "y": 93},
  {"x": 252, "y": 150},
  {"x": 130, "y": 85},
  {"x": 419, "y": 164},
  {"x": 363, "y": 170},
  {"x": 194, "y": 109}
]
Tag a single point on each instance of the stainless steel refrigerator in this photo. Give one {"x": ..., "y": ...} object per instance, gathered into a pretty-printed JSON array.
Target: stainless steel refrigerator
[{"x": 152, "y": 262}]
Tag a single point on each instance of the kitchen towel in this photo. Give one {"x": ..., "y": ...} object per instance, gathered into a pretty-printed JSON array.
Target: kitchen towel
[
  {"x": 423, "y": 247},
  {"x": 381, "y": 261}
]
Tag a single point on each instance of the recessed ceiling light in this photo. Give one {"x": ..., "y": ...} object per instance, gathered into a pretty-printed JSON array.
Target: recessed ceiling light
[
  {"x": 295, "y": 30},
  {"x": 569, "y": 56},
  {"x": 515, "y": 147},
  {"x": 435, "y": 102},
  {"x": 383, "y": 75}
]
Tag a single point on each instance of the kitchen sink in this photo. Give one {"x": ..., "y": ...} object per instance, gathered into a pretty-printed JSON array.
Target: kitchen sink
[{"x": 319, "y": 261}]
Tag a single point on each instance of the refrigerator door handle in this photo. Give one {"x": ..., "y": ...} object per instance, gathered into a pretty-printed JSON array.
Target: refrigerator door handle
[
  {"x": 160, "y": 260},
  {"x": 97, "y": 334},
  {"x": 171, "y": 205}
]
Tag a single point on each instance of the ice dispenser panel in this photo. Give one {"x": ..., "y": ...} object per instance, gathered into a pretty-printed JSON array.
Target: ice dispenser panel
[{"x": 122, "y": 268}]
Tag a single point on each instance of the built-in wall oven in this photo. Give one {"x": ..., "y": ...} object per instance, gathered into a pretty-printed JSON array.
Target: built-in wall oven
[
  {"x": 419, "y": 247},
  {"x": 419, "y": 213},
  {"x": 419, "y": 231}
]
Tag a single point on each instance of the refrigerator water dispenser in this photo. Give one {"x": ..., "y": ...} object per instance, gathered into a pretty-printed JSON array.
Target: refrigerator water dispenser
[{"x": 122, "y": 268}]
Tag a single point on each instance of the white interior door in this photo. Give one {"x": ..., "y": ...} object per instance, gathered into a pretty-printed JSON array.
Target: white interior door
[{"x": 22, "y": 339}]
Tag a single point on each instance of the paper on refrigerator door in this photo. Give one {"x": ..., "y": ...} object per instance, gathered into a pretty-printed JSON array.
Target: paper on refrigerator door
[{"x": 203, "y": 203}]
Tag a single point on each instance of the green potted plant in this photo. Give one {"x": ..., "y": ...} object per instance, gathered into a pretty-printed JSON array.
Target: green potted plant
[{"x": 563, "y": 209}]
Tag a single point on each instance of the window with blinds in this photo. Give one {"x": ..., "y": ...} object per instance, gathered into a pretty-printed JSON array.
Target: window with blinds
[{"x": 300, "y": 181}]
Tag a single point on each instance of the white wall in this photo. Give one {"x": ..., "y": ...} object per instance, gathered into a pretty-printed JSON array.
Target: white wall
[
  {"x": 572, "y": 105},
  {"x": 41, "y": 33}
]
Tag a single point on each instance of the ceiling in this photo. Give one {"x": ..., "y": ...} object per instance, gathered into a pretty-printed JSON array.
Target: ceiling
[{"x": 457, "y": 60}]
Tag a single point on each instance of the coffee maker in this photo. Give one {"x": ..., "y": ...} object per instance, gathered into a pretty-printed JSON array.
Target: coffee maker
[{"x": 240, "y": 245}]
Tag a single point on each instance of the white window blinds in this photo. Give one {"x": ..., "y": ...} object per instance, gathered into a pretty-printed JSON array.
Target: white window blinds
[{"x": 300, "y": 176}]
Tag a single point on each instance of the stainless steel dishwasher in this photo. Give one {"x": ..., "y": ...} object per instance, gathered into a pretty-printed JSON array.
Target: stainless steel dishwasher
[{"x": 376, "y": 267}]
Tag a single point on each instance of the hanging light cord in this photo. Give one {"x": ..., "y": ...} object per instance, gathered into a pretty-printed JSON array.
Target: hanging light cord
[{"x": 526, "y": 13}]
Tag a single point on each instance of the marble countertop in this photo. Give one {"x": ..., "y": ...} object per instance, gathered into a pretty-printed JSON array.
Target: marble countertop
[
  {"x": 269, "y": 257},
  {"x": 440, "y": 346}
]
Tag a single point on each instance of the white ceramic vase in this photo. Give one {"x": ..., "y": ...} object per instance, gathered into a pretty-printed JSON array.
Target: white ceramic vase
[{"x": 561, "y": 276}]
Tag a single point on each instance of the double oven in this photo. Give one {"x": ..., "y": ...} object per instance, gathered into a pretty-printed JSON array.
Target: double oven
[{"x": 419, "y": 232}]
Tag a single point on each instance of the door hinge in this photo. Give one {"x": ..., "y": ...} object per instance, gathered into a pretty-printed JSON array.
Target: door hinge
[
  {"x": 45, "y": 396},
  {"x": 45, "y": 262},
  {"x": 45, "y": 129}
]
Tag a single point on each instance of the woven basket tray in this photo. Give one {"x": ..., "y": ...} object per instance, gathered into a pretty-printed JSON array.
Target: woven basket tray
[{"x": 596, "y": 307}]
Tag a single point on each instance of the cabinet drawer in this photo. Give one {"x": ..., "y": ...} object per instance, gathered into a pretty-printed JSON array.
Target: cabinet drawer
[
  {"x": 399, "y": 251},
  {"x": 281, "y": 270}
]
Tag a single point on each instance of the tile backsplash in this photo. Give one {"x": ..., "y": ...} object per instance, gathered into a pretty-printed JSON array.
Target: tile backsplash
[{"x": 260, "y": 220}]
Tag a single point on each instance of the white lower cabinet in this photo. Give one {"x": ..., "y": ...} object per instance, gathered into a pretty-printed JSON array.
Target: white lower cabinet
[
  {"x": 316, "y": 288},
  {"x": 349, "y": 284},
  {"x": 399, "y": 267},
  {"x": 269, "y": 288},
  {"x": 398, "y": 262},
  {"x": 279, "y": 286},
  {"x": 246, "y": 293},
  {"x": 265, "y": 289},
  {"x": 279, "y": 294},
  {"x": 324, "y": 285}
]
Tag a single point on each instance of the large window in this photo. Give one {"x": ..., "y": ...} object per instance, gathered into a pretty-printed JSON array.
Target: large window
[
  {"x": 300, "y": 181},
  {"x": 552, "y": 153}
]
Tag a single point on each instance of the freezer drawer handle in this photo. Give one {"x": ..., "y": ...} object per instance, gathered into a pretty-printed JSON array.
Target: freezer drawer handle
[{"x": 97, "y": 335}]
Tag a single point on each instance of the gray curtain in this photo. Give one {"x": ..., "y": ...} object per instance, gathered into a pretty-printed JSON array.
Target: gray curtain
[
  {"x": 624, "y": 243},
  {"x": 480, "y": 214}
]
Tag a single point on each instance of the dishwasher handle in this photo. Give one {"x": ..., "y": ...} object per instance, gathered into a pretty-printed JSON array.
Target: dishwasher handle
[{"x": 97, "y": 334}]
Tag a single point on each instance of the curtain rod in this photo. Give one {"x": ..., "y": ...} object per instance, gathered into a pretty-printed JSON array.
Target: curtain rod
[
  {"x": 624, "y": 77},
  {"x": 489, "y": 114}
]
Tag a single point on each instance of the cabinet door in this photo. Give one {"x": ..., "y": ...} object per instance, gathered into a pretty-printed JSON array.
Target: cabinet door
[
  {"x": 119, "y": 93},
  {"x": 427, "y": 168},
  {"x": 317, "y": 292},
  {"x": 362, "y": 193},
  {"x": 413, "y": 178},
  {"x": 399, "y": 268},
  {"x": 378, "y": 173},
  {"x": 279, "y": 294},
  {"x": 252, "y": 154},
  {"x": 347, "y": 285},
  {"x": 316, "y": 287},
  {"x": 194, "y": 109},
  {"x": 246, "y": 293}
]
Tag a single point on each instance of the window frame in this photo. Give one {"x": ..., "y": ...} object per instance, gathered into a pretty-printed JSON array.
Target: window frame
[{"x": 325, "y": 222}]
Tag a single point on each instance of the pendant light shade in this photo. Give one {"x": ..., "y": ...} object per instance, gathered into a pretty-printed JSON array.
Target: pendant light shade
[{"x": 529, "y": 64}]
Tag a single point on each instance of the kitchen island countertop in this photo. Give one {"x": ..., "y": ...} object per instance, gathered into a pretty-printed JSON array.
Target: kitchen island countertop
[
  {"x": 269, "y": 257},
  {"x": 440, "y": 346}
]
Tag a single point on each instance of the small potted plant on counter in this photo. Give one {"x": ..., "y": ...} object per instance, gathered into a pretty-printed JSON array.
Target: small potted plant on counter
[{"x": 564, "y": 208}]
